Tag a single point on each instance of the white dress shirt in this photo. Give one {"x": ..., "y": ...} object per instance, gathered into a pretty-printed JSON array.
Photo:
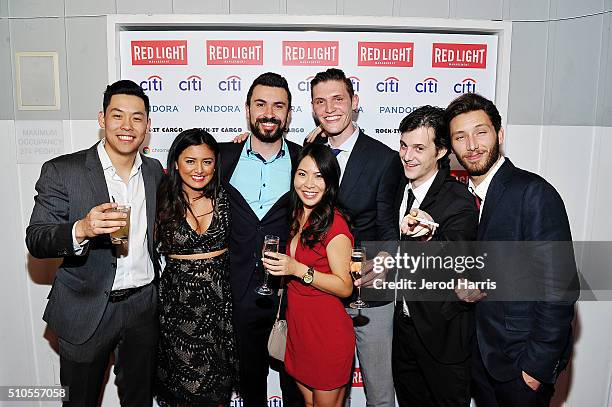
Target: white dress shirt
[
  {"x": 135, "y": 268},
  {"x": 346, "y": 149},
  {"x": 481, "y": 190}
]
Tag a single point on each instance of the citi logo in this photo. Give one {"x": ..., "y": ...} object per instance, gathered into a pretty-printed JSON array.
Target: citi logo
[
  {"x": 355, "y": 81},
  {"x": 429, "y": 85},
  {"x": 390, "y": 84},
  {"x": 304, "y": 86},
  {"x": 193, "y": 83},
  {"x": 152, "y": 83},
  {"x": 468, "y": 85},
  {"x": 231, "y": 84}
]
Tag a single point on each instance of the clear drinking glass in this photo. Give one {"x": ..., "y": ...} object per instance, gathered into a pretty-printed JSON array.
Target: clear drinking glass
[
  {"x": 270, "y": 245},
  {"x": 122, "y": 235},
  {"x": 358, "y": 258}
]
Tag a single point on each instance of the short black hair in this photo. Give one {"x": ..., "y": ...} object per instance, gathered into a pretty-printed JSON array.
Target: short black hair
[
  {"x": 470, "y": 102},
  {"x": 124, "y": 87},
  {"x": 433, "y": 118},
  {"x": 332, "y": 74},
  {"x": 272, "y": 80}
]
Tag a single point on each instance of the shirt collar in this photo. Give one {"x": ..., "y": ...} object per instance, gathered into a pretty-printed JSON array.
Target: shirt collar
[
  {"x": 483, "y": 187},
  {"x": 349, "y": 143},
  {"x": 420, "y": 191},
  {"x": 108, "y": 164},
  {"x": 248, "y": 151}
]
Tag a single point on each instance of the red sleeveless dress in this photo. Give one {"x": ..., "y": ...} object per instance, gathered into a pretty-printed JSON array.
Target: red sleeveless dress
[{"x": 320, "y": 337}]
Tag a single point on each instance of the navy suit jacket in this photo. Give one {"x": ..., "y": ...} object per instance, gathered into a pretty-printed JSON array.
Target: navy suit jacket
[{"x": 530, "y": 336}]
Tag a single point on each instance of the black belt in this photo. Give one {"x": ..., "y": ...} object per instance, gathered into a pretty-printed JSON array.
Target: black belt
[{"x": 120, "y": 295}]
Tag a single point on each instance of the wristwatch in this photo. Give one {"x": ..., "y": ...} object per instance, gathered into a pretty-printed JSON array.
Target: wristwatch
[{"x": 308, "y": 276}]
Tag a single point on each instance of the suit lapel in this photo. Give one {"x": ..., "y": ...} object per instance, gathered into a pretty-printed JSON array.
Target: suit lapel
[
  {"x": 494, "y": 194},
  {"x": 96, "y": 176},
  {"x": 434, "y": 189},
  {"x": 354, "y": 167}
]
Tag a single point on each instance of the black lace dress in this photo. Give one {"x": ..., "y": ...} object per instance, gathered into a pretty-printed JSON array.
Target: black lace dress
[{"x": 197, "y": 358}]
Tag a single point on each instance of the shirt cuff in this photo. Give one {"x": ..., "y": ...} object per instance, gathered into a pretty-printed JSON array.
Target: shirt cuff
[{"x": 77, "y": 247}]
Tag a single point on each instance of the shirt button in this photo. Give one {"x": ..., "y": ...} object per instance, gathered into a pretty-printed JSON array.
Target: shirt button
[
  {"x": 106, "y": 293},
  {"x": 264, "y": 185},
  {"x": 261, "y": 207}
]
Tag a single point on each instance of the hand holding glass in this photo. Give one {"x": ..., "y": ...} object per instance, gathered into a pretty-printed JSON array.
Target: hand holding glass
[
  {"x": 123, "y": 233},
  {"x": 358, "y": 258},
  {"x": 270, "y": 245}
]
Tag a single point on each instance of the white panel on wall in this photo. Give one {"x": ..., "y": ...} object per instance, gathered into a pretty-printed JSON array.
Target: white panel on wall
[
  {"x": 84, "y": 133},
  {"x": 477, "y": 9},
  {"x": 366, "y": 7},
  {"x": 604, "y": 90},
  {"x": 574, "y": 51},
  {"x": 16, "y": 337},
  {"x": 566, "y": 155},
  {"x": 44, "y": 35},
  {"x": 144, "y": 6},
  {"x": 36, "y": 8},
  {"x": 527, "y": 73},
  {"x": 90, "y": 7},
  {"x": 4, "y": 12},
  {"x": 201, "y": 7},
  {"x": 573, "y": 8},
  {"x": 591, "y": 362},
  {"x": 85, "y": 37},
  {"x": 311, "y": 7},
  {"x": 258, "y": 7},
  {"x": 600, "y": 222},
  {"x": 526, "y": 9},
  {"x": 7, "y": 109},
  {"x": 424, "y": 8},
  {"x": 522, "y": 146}
]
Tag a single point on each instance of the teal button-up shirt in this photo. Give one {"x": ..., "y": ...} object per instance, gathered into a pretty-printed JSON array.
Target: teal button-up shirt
[{"x": 262, "y": 182}]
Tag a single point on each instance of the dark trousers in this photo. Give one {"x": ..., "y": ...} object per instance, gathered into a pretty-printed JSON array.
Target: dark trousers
[
  {"x": 419, "y": 379},
  {"x": 129, "y": 328},
  {"x": 488, "y": 392},
  {"x": 254, "y": 316}
]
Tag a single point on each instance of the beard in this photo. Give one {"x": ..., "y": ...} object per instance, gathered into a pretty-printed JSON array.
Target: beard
[
  {"x": 267, "y": 137},
  {"x": 482, "y": 169}
]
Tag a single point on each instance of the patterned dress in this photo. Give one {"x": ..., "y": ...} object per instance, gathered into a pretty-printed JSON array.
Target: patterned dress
[{"x": 197, "y": 357}]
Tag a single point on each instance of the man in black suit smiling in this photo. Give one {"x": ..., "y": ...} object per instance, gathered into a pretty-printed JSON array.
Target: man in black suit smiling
[
  {"x": 102, "y": 300},
  {"x": 431, "y": 339}
]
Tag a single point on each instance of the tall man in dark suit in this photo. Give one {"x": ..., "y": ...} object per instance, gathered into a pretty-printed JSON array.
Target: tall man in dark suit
[
  {"x": 432, "y": 340},
  {"x": 258, "y": 174},
  {"x": 370, "y": 174},
  {"x": 102, "y": 300},
  {"x": 521, "y": 346}
]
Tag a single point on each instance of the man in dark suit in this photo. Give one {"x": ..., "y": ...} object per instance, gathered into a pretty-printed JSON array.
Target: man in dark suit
[
  {"x": 370, "y": 174},
  {"x": 258, "y": 174},
  {"x": 521, "y": 346},
  {"x": 432, "y": 339},
  {"x": 102, "y": 300}
]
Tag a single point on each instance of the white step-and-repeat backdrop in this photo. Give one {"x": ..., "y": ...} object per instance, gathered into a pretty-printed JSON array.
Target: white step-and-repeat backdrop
[{"x": 200, "y": 79}]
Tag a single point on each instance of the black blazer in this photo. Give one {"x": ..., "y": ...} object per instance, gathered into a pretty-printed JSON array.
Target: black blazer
[
  {"x": 532, "y": 336},
  {"x": 247, "y": 233},
  {"x": 68, "y": 187},
  {"x": 446, "y": 328}
]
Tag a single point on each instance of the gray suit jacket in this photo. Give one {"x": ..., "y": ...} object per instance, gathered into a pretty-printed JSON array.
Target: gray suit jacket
[{"x": 68, "y": 187}]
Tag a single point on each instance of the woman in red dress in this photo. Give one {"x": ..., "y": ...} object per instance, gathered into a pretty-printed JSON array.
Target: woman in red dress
[{"x": 320, "y": 338}]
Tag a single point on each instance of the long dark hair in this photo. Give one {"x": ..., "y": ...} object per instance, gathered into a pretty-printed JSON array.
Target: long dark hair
[
  {"x": 172, "y": 202},
  {"x": 322, "y": 215}
]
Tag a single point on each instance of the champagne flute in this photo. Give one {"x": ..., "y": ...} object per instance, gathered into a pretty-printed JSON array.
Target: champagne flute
[
  {"x": 270, "y": 245},
  {"x": 358, "y": 258}
]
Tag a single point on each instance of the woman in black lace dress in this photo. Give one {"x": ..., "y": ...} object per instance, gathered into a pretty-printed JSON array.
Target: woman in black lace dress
[{"x": 197, "y": 363}]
